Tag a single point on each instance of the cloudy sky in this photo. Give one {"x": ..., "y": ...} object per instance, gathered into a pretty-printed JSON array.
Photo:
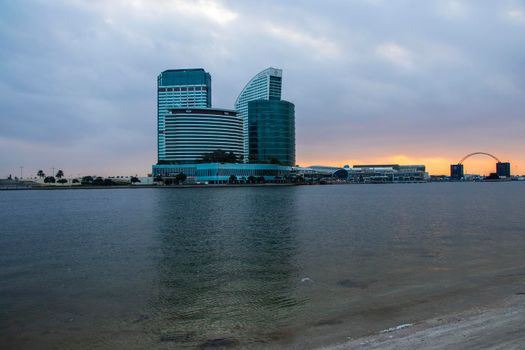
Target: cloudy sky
[{"x": 372, "y": 81}]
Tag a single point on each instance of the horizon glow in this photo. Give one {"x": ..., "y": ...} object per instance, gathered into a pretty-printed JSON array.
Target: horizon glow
[{"x": 372, "y": 81}]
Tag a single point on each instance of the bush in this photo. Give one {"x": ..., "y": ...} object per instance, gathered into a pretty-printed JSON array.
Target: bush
[
  {"x": 98, "y": 181},
  {"x": 180, "y": 177},
  {"x": 87, "y": 180},
  {"x": 219, "y": 156},
  {"x": 134, "y": 179},
  {"x": 49, "y": 180}
]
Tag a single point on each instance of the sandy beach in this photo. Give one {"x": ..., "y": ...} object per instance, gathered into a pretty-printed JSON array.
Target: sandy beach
[{"x": 498, "y": 326}]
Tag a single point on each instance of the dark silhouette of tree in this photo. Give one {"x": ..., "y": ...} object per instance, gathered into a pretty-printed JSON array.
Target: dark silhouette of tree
[
  {"x": 260, "y": 179},
  {"x": 251, "y": 179},
  {"x": 108, "y": 182},
  {"x": 75, "y": 181},
  {"x": 49, "y": 180},
  {"x": 10, "y": 177},
  {"x": 180, "y": 177},
  {"x": 168, "y": 181},
  {"x": 60, "y": 174},
  {"x": 40, "y": 173},
  {"x": 219, "y": 156},
  {"x": 62, "y": 181},
  {"x": 298, "y": 179},
  {"x": 98, "y": 181},
  {"x": 87, "y": 180},
  {"x": 134, "y": 180},
  {"x": 232, "y": 179},
  {"x": 158, "y": 178},
  {"x": 492, "y": 176}
]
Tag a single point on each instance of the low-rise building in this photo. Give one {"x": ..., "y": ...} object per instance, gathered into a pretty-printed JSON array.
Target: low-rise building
[{"x": 217, "y": 173}]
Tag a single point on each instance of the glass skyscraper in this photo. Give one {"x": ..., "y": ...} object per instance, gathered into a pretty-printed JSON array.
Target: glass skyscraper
[
  {"x": 264, "y": 86},
  {"x": 271, "y": 130},
  {"x": 178, "y": 88}
]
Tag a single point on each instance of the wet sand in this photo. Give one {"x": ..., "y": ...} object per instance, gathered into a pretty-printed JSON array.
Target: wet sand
[{"x": 498, "y": 326}]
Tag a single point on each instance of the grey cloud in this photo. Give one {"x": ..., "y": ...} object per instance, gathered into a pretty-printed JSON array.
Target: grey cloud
[{"x": 82, "y": 74}]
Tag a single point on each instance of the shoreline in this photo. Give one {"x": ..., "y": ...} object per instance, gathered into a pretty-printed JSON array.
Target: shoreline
[
  {"x": 82, "y": 187},
  {"x": 500, "y": 325}
]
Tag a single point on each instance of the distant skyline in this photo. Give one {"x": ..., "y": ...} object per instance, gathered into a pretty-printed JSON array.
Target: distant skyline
[{"x": 373, "y": 81}]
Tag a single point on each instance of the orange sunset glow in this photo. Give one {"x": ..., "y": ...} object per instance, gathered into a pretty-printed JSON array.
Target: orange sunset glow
[{"x": 482, "y": 165}]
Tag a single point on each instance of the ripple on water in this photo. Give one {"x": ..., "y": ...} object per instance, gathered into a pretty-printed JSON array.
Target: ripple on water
[{"x": 219, "y": 343}]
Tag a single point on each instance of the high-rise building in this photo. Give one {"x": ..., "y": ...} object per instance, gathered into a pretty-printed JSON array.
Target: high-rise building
[
  {"x": 503, "y": 169},
  {"x": 192, "y": 132},
  {"x": 271, "y": 126},
  {"x": 456, "y": 171},
  {"x": 179, "y": 88},
  {"x": 264, "y": 86}
]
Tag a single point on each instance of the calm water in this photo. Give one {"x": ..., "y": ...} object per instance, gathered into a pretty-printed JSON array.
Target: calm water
[{"x": 286, "y": 267}]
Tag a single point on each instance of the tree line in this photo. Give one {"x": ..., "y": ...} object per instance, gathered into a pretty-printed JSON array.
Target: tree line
[{"x": 86, "y": 180}]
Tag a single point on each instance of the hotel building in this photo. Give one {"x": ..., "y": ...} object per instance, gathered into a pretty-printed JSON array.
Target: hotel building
[
  {"x": 192, "y": 132},
  {"x": 266, "y": 85},
  {"x": 178, "y": 88},
  {"x": 271, "y": 132},
  {"x": 261, "y": 128}
]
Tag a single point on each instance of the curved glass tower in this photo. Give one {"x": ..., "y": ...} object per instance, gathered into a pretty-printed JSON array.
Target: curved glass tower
[
  {"x": 271, "y": 132},
  {"x": 264, "y": 86},
  {"x": 179, "y": 88}
]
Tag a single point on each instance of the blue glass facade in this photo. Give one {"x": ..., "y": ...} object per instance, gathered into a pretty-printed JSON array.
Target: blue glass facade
[
  {"x": 266, "y": 85},
  {"x": 456, "y": 171},
  {"x": 221, "y": 172},
  {"x": 178, "y": 88},
  {"x": 271, "y": 130},
  {"x": 503, "y": 169},
  {"x": 182, "y": 77}
]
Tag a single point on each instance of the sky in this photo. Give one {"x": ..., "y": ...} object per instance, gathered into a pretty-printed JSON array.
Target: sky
[{"x": 373, "y": 81}]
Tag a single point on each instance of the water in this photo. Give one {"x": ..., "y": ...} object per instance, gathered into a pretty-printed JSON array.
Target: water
[{"x": 275, "y": 267}]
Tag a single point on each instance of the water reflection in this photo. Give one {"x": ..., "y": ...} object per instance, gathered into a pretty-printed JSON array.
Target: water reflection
[{"x": 227, "y": 270}]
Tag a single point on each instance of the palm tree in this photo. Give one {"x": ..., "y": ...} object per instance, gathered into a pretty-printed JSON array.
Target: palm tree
[
  {"x": 40, "y": 173},
  {"x": 60, "y": 174},
  {"x": 49, "y": 180}
]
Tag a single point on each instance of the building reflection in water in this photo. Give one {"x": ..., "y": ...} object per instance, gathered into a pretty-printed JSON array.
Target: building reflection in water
[{"x": 227, "y": 268}]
